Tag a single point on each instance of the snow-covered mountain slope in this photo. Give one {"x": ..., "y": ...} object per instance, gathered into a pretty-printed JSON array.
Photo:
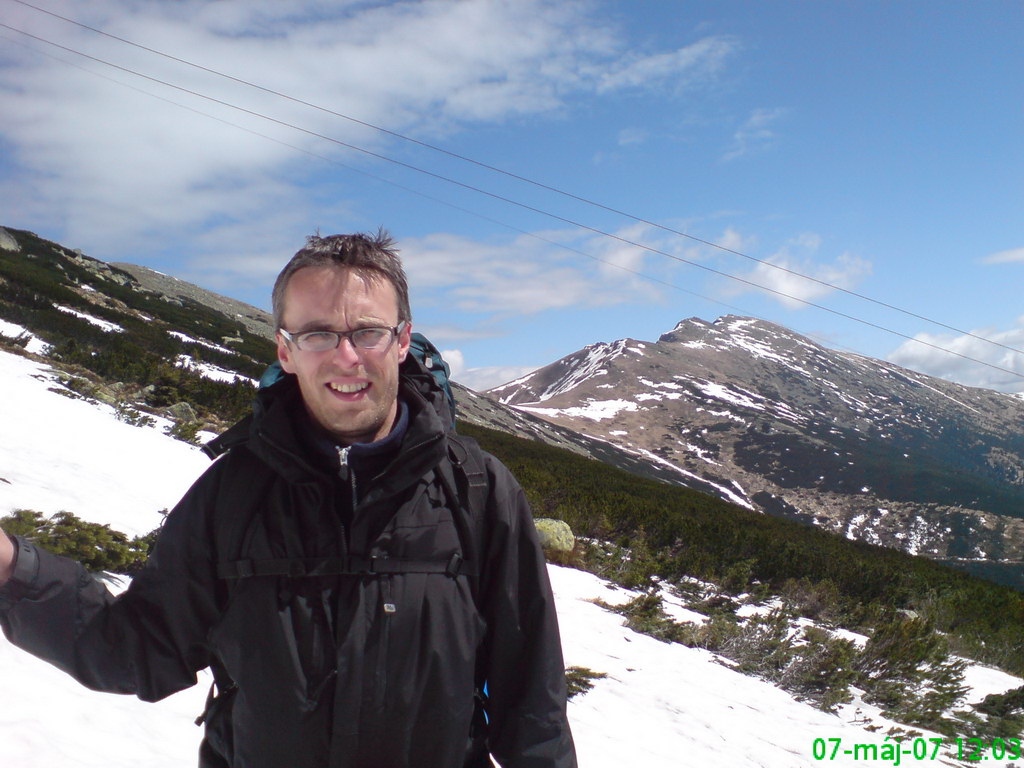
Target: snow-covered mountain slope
[
  {"x": 661, "y": 705},
  {"x": 768, "y": 419}
]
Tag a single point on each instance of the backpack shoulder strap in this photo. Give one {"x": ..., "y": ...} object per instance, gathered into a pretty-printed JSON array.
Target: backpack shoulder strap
[{"x": 464, "y": 477}]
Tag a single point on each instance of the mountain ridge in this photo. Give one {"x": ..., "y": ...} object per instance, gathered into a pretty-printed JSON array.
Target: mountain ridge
[{"x": 781, "y": 424}]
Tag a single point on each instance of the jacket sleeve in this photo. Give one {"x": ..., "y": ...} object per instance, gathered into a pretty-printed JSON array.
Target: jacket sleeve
[
  {"x": 525, "y": 674},
  {"x": 151, "y": 640}
]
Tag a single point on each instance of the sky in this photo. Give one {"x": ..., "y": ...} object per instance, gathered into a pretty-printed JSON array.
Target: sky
[
  {"x": 658, "y": 700},
  {"x": 555, "y": 173}
]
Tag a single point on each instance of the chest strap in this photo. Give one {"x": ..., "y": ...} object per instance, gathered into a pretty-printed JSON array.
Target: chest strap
[{"x": 354, "y": 565}]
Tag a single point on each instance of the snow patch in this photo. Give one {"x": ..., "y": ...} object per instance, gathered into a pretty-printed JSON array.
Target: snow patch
[
  {"x": 595, "y": 410},
  {"x": 106, "y": 325},
  {"x": 35, "y": 345}
]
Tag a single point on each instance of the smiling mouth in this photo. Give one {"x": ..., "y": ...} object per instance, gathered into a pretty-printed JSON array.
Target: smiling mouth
[{"x": 349, "y": 389}]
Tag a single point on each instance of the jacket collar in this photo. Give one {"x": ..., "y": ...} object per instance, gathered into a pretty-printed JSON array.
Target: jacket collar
[{"x": 281, "y": 435}]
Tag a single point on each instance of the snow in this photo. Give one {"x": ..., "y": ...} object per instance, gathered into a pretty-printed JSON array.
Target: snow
[
  {"x": 106, "y": 325},
  {"x": 595, "y": 410},
  {"x": 35, "y": 345},
  {"x": 64, "y": 454},
  {"x": 597, "y": 356},
  {"x": 211, "y": 371},
  {"x": 660, "y": 705},
  {"x": 188, "y": 339}
]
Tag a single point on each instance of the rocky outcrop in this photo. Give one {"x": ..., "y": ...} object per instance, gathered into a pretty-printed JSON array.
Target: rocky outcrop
[{"x": 7, "y": 241}]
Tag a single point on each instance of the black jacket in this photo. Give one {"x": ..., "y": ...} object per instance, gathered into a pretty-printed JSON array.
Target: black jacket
[{"x": 369, "y": 671}]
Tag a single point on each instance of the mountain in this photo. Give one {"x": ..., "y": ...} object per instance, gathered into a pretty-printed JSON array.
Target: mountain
[{"x": 770, "y": 420}]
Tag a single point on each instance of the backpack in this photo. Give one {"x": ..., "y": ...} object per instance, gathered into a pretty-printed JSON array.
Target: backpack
[{"x": 463, "y": 477}]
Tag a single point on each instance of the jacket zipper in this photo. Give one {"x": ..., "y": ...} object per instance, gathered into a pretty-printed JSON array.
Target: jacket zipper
[
  {"x": 345, "y": 471},
  {"x": 346, "y": 474}
]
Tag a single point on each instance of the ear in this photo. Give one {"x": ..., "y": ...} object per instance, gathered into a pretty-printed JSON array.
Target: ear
[
  {"x": 404, "y": 340},
  {"x": 284, "y": 355}
]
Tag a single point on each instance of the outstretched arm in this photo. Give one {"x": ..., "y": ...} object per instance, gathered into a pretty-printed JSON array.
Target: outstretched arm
[{"x": 149, "y": 641}]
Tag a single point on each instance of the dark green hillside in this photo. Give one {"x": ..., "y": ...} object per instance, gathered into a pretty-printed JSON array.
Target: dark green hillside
[
  {"x": 43, "y": 275},
  {"x": 684, "y": 533}
]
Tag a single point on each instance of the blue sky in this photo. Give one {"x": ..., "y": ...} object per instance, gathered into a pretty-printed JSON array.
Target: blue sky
[{"x": 875, "y": 146}]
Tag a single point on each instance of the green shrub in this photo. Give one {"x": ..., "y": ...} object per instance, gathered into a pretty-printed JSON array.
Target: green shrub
[
  {"x": 1004, "y": 713},
  {"x": 94, "y": 545},
  {"x": 130, "y": 415},
  {"x": 763, "y": 646},
  {"x": 578, "y": 680},
  {"x": 645, "y": 614},
  {"x": 905, "y": 668},
  {"x": 822, "y": 669},
  {"x": 186, "y": 431}
]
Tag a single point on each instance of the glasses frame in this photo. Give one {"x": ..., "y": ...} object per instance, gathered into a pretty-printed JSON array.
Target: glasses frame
[{"x": 395, "y": 330}]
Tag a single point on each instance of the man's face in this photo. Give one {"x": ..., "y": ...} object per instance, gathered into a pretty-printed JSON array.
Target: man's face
[{"x": 351, "y": 393}]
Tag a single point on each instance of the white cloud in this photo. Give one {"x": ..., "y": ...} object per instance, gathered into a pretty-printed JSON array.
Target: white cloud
[
  {"x": 782, "y": 273},
  {"x": 632, "y": 136},
  {"x": 480, "y": 379},
  {"x": 455, "y": 360},
  {"x": 935, "y": 362},
  {"x": 1005, "y": 257},
  {"x": 101, "y": 159},
  {"x": 525, "y": 275},
  {"x": 755, "y": 134},
  {"x": 684, "y": 67}
]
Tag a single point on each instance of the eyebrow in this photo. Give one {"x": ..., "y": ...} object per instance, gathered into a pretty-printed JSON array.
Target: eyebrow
[{"x": 319, "y": 325}]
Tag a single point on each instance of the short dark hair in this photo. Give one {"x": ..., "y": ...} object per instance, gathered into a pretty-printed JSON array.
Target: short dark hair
[{"x": 374, "y": 256}]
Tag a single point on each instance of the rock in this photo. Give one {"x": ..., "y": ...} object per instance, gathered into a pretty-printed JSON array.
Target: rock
[
  {"x": 555, "y": 534},
  {"x": 7, "y": 241},
  {"x": 182, "y": 412}
]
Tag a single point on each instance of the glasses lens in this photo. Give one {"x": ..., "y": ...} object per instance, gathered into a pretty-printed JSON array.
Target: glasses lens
[
  {"x": 317, "y": 341},
  {"x": 371, "y": 338}
]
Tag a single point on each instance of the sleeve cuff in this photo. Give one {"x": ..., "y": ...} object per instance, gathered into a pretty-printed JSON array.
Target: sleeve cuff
[{"x": 26, "y": 564}]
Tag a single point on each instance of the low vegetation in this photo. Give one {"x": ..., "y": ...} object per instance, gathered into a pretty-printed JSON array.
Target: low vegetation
[
  {"x": 633, "y": 530},
  {"x": 96, "y": 546}
]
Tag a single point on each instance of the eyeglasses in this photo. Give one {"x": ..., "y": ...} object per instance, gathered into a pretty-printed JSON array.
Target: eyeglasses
[{"x": 361, "y": 338}]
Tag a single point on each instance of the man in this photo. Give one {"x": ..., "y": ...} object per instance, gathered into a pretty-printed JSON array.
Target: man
[{"x": 323, "y": 567}]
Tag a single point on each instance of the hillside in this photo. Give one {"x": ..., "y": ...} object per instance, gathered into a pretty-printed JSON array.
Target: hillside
[{"x": 774, "y": 422}]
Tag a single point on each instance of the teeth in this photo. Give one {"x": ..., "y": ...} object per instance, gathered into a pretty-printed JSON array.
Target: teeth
[{"x": 348, "y": 388}]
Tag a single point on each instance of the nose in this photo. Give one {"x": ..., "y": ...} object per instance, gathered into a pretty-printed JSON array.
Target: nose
[{"x": 346, "y": 353}]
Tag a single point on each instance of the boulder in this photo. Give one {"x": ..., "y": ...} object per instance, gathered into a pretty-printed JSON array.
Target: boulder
[
  {"x": 555, "y": 534},
  {"x": 7, "y": 241},
  {"x": 182, "y": 412}
]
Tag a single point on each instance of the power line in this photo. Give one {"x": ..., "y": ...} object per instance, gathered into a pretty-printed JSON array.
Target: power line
[
  {"x": 383, "y": 180},
  {"x": 521, "y": 178},
  {"x": 510, "y": 201}
]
